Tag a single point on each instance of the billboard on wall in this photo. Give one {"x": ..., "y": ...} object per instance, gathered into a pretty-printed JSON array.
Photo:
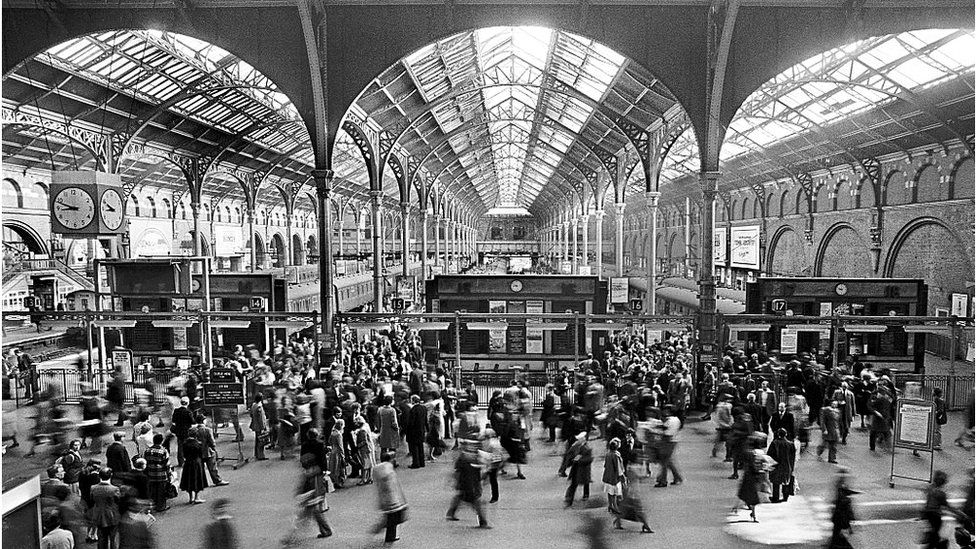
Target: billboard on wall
[
  {"x": 228, "y": 241},
  {"x": 720, "y": 251},
  {"x": 744, "y": 249},
  {"x": 619, "y": 288}
]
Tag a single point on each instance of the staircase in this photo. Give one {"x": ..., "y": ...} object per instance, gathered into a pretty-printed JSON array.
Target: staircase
[{"x": 27, "y": 267}]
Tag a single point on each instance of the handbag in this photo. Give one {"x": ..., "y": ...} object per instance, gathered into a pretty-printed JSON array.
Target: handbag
[
  {"x": 171, "y": 491},
  {"x": 329, "y": 485}
]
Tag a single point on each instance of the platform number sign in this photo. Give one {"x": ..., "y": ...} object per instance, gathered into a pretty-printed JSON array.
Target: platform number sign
[
  {"x": 779, "y": 306},
  {"x": 257, "y": 303},
  {"x": 398, "y": 304},
  {"x": 636, "y": 304}
]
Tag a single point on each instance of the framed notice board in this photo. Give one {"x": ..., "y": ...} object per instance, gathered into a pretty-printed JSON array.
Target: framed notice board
[
  {"x": 223, "y": 394},
  {"x": 914, "y": 430}
]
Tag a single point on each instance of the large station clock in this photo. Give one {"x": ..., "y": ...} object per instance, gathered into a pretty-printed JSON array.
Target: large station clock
[
  {"x": 74, "y": 208},
  {"x": 87, "y": 204}
]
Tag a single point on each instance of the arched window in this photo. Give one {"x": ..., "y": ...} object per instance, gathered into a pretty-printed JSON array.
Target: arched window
[
  {"x": 12, "y": 193},
  {"x": 42, "y": 193},
  {"x": 151, "y": 206},
  {"x": 745, "y": 209},
  {"x": 220, "y": 215},
  {"x": 182, "y": 210},
  {"x": 167, "y": 209}
]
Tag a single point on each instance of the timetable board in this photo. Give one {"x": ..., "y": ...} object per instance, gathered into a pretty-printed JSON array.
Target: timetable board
[{"x": 223, "y": 394}]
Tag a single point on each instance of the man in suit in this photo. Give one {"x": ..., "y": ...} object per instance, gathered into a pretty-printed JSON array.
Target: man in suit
[
  {"x": 830, "y": 430},
  {"x": 766, "y": 399},
  {"x": 201, "y": 432},
  {"x": 845, "y": 397},
  {"x": 116, "y": 456},
  {"x": 783, "y": 419},
  {"x": 416, "y": 431},
  {"x": 180, "y": 427},
  {"x": 259, "y": 424}
]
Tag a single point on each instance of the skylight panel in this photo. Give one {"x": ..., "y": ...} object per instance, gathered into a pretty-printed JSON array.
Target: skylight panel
[{"x": 917, "y": 72}]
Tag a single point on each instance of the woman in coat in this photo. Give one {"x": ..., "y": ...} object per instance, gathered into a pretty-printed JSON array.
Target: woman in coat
[
  {"x": 310, "y": 496},
  {"x": 337, "y": 457},
  {"x": 363, "y": 438},
  {"x": 613, "y": 476},
  {"x": 194, "y": 475},
  {"x": 104, "y": 511},
  {"x": 783, "y": 452},
  {"x": 752, "y": 478},
  {"x": 389, "y": 427}
]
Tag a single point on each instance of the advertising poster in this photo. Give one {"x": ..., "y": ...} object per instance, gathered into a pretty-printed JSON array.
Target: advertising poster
[
  {"x": 720, "y": 251},
  {"x": 533, "y": 336},
  {"x": 787, "y": 341},
  {"x": 744, "y": 250},
  {"x": 496, "y": 338},
  {"x": 826, "y": 308},
  {"x": 229, "y": 241},
  {"x": 122, "y": 360},
  {"x": 619, "y": 287}
]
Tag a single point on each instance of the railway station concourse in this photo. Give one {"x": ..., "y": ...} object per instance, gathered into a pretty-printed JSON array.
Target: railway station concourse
[{"x": 514, "y": 188}]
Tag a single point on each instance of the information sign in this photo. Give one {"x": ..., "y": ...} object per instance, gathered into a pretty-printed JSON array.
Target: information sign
[
  {"x": 719, "y": 247},
  {"x": 960, "y": 302},
  {"x": 122, "y": 360},
  {"x": 619, "y": 288},
  {"x": 787, "y": 341},
  {"x": 227, "y": 375},
  {"x": 223, "y": 394},
  {"x": 745, "y": 247},
  {"x": 914, "y": 424}
]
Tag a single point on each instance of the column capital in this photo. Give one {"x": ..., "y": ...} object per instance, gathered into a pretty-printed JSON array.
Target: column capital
[
  {"x": 375, "y": 195},
  {"x": 709, "y": 181},
  {"x": 323, "y": 181},
  {"x": 652, "y": 198},
  {"x": 437, "y": 218},
  {"x": 585, "y": 218},
  {"x": 599, "y": 215},
  {"x": 620, "y": 207},
  {"x": 566, "y": 224},
  {"x": 404, "y": 206}
]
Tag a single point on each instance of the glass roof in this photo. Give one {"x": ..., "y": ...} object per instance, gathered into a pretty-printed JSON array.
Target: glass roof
[
  {"x": 807, "y": 100},
  {"x": 506, "y": 110},
  {"x": 236, "y": 109}
]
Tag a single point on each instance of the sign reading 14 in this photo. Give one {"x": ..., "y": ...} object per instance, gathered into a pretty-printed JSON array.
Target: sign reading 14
[{"x": 74, "y": 208}]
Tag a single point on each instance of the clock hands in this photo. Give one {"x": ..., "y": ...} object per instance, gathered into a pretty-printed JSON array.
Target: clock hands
[
  {"x": 67, "y": 207},
  {"x": 109, "y": 208}
]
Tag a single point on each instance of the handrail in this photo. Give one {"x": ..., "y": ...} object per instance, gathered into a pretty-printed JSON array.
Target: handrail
[{"x": 30, "y": 265}]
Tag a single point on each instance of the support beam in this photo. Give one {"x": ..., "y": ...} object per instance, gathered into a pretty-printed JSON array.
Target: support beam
[
  {"x": 423, "y": 248},
  {"x": 706, "y": 290},
  {"x": 650, "y": 305},
  {"x": 323, "y": 190},
  {"x": 404, "y": 238},
  {"x": 584, "y": 258},
  {"x": 574, "y": 226},
  {"x": 375, "y": 198},
  {"x": 618, "y": 246},
  {"x": 598, "y": 230}
]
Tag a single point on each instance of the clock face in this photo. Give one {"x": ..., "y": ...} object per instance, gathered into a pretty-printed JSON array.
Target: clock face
[
  {"x": 74, "y": 208},
  {"x": 841, "y": 289},
  {"x": 110, "y": 208},
  {"x": 516, "y": 285}
]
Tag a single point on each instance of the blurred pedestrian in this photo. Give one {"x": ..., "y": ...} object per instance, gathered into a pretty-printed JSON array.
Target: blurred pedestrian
[
  {"x": 392, "y": 501},
  {"x": 221, "y": 533},
  {"x": 579, "y": 458},
  {"x": 842, "y": 517},
  {"x": 259, "y": 424},
  {"x": 310, "y": 497},
  {"x": 613, "y": 476},
  {"x": 135, "y": 527},
  {"x": 783, "y": 452},
  {"x": 467, "y": 483},
  {"x": 104, "y": 512}
]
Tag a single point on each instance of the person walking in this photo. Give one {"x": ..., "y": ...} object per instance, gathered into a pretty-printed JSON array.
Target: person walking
[
  {"x": 842, "y": 517},
  {"x": 205, "y": 435},
  {"x": 830, "y": 431},
  {"x": 221, "y": 533},
  {"x": 783, "y": 419},
  {"x": 613, "y": 476},
  {"x": 491, "y": 460},
  {"x": 579, "y": 458},
  {"x": 157, "y": 472},
  {"x": 104, "y": 511},
  {"x": 135, "y": 527},
  {"x": 549, "y": 418},
  {"x": 631, "y": 507},
  {"x": 310, "y": 496},
  {"x": 336, "y": 457},
  {"x": 941, "y": 417},
  {"x": 667, "y": 447},
  {"x": 392, "y": 502},
  {"x": 72, "y": 463},
  {"x": 783, "y": 452},
  {"x": 723, "y": 426},
  {"x": 752, "y": 476},
  {"x": 468, "y": 483},
  {"x": 259, "y": 424},
  {"x": 935, "y": 501},
  {"x": 193, "y": 479}
]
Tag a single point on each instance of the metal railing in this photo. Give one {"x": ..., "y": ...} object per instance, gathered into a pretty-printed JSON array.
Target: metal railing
[
  {"x": 67, "y": 384},
  {"x": 30, "y": 265},
  {"x": 956, "y": 390}
]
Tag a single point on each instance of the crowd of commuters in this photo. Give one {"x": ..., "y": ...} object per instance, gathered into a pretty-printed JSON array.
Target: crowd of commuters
[{"x": 378, "y": 405}]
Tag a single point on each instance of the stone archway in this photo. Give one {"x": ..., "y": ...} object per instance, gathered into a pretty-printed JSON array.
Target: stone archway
[
  {"x": 927, "y": 248},
  {"x": 843, "y": 254},
  {"x": 786, "y": 254}
]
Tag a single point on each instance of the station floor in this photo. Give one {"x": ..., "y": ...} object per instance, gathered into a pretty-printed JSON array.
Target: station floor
[{"x": 530, "y": 512}]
